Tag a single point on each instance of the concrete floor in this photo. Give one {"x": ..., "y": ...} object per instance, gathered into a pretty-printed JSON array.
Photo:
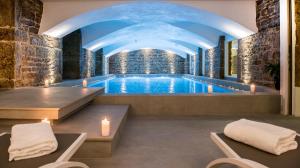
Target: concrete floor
[{"x": 172, "y": 142}]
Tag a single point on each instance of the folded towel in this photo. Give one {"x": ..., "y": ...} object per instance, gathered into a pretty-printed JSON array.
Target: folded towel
[
  {"x": 31, "y": 140},
  {"x": 267, "y": 137}
]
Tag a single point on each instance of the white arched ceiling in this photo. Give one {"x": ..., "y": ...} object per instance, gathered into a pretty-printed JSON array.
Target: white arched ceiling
[
  {"x": 98, "y": 30},
  {"x": 57, "y": 11},
  {"x": 141, "y": 12},
  {"x": 160, "y": 25},
  {"x": 149, "y": 44},
  {"x": 144, "y": 32}
]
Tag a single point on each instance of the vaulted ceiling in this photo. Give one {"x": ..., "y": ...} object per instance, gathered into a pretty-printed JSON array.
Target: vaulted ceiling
[{"x": 167, "y": 26}]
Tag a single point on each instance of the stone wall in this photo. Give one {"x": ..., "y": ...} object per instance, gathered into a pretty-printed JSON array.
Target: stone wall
[
  {"x": 200, "y": 54},
  {"x": 26, "y": 59},
  {"x": 36, "y": 60},
  {"x": 254, "y": 53},
  {"x": 72, "y": 49},
  {"x": 146, "y": 62},
  {"x": 214, "y": 60},
  {"x": 187, "y": 64},
  {"x": 267, "y": 14},
  {"x": 297, "y": 49},
  {"x": 77, "y": 61},
  {"x": 99, "y": 62},
  {"x": 87, "y": 64},
  {"x": 262, "y": 48}
]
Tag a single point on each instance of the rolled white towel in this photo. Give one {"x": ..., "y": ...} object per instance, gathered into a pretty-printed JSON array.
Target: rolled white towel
[
  {"x": 31, "y": 140},
  {"x": 267, "y": 137}
]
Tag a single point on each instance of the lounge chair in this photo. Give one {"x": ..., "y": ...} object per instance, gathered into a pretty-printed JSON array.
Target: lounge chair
[
  {"x": 68, "y": 144},
  {"x": 245, "y": 156}
]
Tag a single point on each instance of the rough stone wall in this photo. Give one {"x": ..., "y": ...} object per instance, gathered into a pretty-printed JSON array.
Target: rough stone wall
[
  {"x": 26, "y": 59},
  {"x": 187, "y": 64},
  {"x": 72, "y": 49},
  {"x": 146, "y": 62},
  {"x": 77, "y": 61},
  {"x": 200, "y": 54},
  {"x": 36, "y": 60},
  {"x": 87, "y": 64},
  {"x": 257, "y": 50},
  {"x": 99, "y": 62},
  {"x": 214, "y": 60},
  {"x": 267, "y": 14},
  {"x": 297, "y": 49}
]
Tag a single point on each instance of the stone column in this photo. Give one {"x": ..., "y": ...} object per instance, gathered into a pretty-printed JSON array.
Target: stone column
[
  {"x": 214, "y": 60},
  {"x": 200, "y": 63},
  {"x": 105, "y": 65},
  {"x": 99, "y": 62},
  {"x": 221, "y": 46},
  {"x": 72, "y": 50},
  {"x": 187, "y": 64},
  {"x": 87, "y": 63}
]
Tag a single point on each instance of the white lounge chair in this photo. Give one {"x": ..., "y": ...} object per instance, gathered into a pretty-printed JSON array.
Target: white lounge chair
[
  {"x": 245, "y": 156},
  {"x": 68, "y": 144}
]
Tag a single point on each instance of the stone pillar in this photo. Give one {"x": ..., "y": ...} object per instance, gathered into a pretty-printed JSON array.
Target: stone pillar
[
  {"x": 26, "y": 58},
  {"x": 78, "y": 62},
  {"x": 214, "y": 60},
  {"x": 72, "y": 50},
  {"x": 200, "y": 63},
  {"x": 87, "y": 63},
  {"x": 221, "y": 46},
  {"x": 105, "y": 65},
  {"x": 99, "y": 62},
  {"x": 187, "y": 64}
]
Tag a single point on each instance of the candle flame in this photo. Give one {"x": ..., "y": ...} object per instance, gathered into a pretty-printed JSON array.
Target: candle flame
[
  {"x": 46, "y": 83},
  {"x": 45, "y": 120}
]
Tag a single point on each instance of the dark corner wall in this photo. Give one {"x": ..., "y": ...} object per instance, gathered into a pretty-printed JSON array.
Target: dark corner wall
[
  {"x": 79, "y": 62},
  {"x": 146, "y": 61},
  {"x": 262, "y": 48},
  {"x": 297, "y": 49},
  {"x": 26, "y": 58}
]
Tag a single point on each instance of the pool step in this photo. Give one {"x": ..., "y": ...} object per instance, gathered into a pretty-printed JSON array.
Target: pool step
[
  {"x": 36, "y": 103},
  {"x": 88, "y": 120}
]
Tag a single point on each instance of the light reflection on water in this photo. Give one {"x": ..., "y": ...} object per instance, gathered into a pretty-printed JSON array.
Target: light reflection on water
[{"x": 155, "y": 85}]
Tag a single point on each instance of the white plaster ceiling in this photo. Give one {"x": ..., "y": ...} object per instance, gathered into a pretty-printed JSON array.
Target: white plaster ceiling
[{"x": 150, "y": 24}]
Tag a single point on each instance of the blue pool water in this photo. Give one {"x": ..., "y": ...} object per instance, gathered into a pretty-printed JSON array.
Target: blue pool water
[{"x": 156, "y": 85}]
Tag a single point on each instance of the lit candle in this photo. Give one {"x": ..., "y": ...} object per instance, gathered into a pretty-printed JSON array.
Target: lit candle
[
  {"x": 105, "y": 127},
  {"x": 84, "y": 83},
  {"x": 210, "y": 89},
  {"x": 252, "y": 88},
  {"x": 46, "y": 83},
  {"x": 46, "y": 121}
]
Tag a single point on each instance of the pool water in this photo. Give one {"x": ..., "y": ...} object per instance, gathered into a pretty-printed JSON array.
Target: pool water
[{"x": 156, "y": 85}]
